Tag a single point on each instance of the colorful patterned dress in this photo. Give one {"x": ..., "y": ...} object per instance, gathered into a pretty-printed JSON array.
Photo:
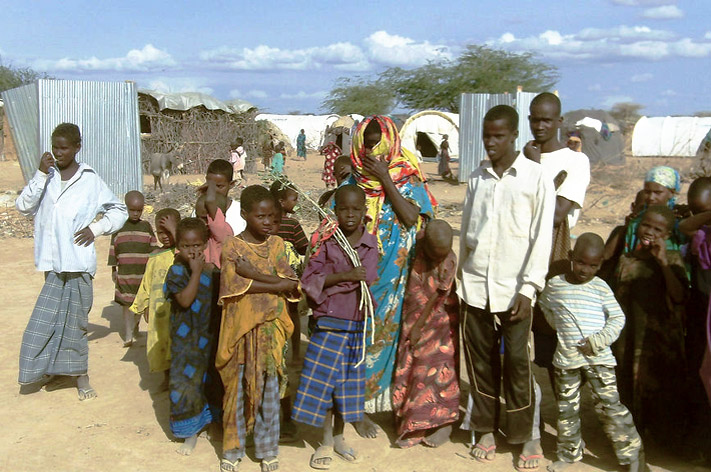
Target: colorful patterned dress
[
  {"x": 330, "y": 152},
  {"x": 253, "y": 332},
  {"x": 195, "y": 389},
  {"x": 426, "y": 384},
  {"x": 151, "y": 296},
  {"x": 129, "y": 251}
]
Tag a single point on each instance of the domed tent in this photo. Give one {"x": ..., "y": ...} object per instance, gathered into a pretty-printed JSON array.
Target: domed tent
[
  {"x": 599, "y": 132},
  {"x": 703, "y": 155},
  {"x": 426, "y": 129},
  {"x": 670, "y": 136}
]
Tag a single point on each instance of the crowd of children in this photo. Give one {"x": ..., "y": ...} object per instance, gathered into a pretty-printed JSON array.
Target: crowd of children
[{"x": 220, "y": 294}]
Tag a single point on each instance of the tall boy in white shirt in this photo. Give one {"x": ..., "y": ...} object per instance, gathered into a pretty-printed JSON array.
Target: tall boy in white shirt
[{"x": 505, "y": 247}]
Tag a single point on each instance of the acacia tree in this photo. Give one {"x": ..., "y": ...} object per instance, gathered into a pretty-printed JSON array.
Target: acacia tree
[
  {"x": 359, "y": 95},
  {"x": 11, "y": 77},
  {"x": 627, "y": 113},
  {"x": 438, "y": 85}
]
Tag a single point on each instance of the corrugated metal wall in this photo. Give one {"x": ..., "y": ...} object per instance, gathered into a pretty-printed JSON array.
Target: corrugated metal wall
[
  {"x": 22, "y": 114},
  {"x": 473, "y": 107},
  {"x": 106, "y": 113}
]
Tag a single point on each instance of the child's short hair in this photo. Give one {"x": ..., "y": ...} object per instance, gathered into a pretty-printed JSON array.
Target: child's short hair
[
  {"x": 589, "y": 241},
  {"x": 221, "y": 167},
  {"x": 168, "y": 212},
  {"x": 192, "y": 224},
  {"x": 343, "y": 159},
  {"x": 503, "y": 112},
  {"x": 253, "y": 195},
  {"x": 68, "y": 131},
  {"x": 346, "y": 189},
  {"x": 665, "y": 212},
  {"x": 546, "y": 97},
  {"x": 133, "y": 194},
  {"x": 698, "y": 188},
  {"x": 279, "y": 189}
]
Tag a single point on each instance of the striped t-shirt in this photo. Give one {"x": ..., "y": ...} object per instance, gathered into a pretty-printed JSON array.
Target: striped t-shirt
[
  {"x": 129, "y": 251},
  {"x": 579, "y": 311}
]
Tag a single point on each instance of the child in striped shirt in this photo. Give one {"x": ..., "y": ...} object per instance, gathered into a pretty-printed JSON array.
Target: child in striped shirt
[
  {"x": 128, "y": 256},
  {"x": 583, "y": 310}
]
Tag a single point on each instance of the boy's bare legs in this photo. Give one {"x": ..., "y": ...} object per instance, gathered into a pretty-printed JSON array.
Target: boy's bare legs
[
  {"x": 332, "y": 440},
  {"x": 130, "y": 323},
  {"x": 366, "y": 428}
]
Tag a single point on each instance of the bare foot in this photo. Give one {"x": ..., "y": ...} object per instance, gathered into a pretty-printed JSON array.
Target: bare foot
[
  {"x": 531, "y": 455},
  {"x": 640, "y": 465},
  {"x": 557, "y": 466},
  {"x": 366, "y": 428},
  {"x": 484, "y": 450},
  {"x": 84, "y": 389},
  {"x": 438, "y": 436},
  {"x": 188, "y": 445}
]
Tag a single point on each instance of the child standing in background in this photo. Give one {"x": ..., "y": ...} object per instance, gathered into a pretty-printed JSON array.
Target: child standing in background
[
  {"x": 128, "y": 255},
  {"x": 238, "y": 159},
  {"x": 194, "y": 385},
  {"x": 426, "y": 381},
  {"x": 277, "y": 166},
  {"x": 256, "y": 283},
  {"x": 220, "y": 172},
  {"x": 211, "y": 208},
  {"x": 587, "y": 319},
  {"x": 150, "y": 299},
  {"x": 651, "y": 287},
  {"x": 332, "y": 388},
  {"x": 289, "y": 228}
]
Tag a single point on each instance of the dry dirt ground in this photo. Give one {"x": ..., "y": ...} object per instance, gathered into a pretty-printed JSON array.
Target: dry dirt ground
[{"x": 126, "y": 427}]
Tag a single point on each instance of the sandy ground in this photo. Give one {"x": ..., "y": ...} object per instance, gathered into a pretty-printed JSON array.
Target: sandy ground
[{"x": 126, "y": 427}]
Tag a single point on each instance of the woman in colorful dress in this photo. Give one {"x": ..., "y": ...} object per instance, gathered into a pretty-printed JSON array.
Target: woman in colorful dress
[{"x": 330, "y": 152}]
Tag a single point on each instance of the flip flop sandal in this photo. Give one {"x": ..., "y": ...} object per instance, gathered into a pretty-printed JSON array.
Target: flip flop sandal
[
  {"x": 227, "y": 465},
  {"x": 322, "y": 452},
  {"x": 525, "y": 459},
  {"x": 347, "y": 455},
  {"x": 269, "y": 465},
  {"x": 86, "y": 394},
  {"x": 486, "y": 450}
]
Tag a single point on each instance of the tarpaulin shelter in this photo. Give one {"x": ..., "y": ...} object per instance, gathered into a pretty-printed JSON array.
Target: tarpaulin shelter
[
  {"x": 599, "y": 132},
  {"x": 669, "y": 136},
  {"x": 426, "y": 130}
]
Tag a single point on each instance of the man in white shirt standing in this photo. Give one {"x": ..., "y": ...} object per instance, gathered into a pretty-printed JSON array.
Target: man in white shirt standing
[
  {"x": 505, "y": 246},
  {"x": 570, "y": 170},
  {"x": 65, "y": 197}
]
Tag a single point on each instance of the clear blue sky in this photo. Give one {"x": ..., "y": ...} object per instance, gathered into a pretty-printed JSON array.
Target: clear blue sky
[{"x": 285, "y": 55}]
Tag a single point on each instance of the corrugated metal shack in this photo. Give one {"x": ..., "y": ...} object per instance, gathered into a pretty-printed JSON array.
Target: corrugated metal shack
[
  {"x": 471, "y": 116},
  {"x": 106, "y": 113}
]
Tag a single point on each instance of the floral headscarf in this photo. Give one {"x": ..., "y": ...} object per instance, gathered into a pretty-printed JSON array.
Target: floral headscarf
[
  {"x": 402, "y": 166},
  {"x": 666, "y": 177}
]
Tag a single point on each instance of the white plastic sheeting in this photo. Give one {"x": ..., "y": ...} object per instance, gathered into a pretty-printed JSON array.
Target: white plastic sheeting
[
  {"x": 669, "y": 136},
  {"x": 434, "y": 124},
  {"x": 184, "y": 101},
  {"x": 313, "y": 125}
]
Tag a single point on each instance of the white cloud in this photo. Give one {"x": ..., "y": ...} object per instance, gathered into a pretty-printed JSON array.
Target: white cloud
[
  {"x": 707, "y": 35},
  {"x": 609, "y": 44},
  {"x": 301, "y": 95},
  {"x": 610, "y": 100},
  {"x": 235, "y": 93},
  {"x": 342, "y": 55},
  {"x": 257, "y": 94},
  {"x": 392, "y": 49},
  {"x": 180, "y": 84},
  {"x": 149, "y": 58},
  {"x": 595, "y": 88},
  {"x": 665, "y": 12},
  {"x": 644, "y": 77},
  {"x": 669, "y": 93},
  {"x": 643, "y": 3}
]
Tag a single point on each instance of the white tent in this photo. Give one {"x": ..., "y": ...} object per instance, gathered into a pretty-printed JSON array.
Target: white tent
[
  {"x": 669, "y": 135},
  {"x": 313, "y": 125},
  {"x": 426, "y": 129}
]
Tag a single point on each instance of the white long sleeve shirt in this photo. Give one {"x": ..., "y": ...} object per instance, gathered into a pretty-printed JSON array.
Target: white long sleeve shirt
[
  {"x": 63, "y": 208},
  {"x": 506, "y": 234}
]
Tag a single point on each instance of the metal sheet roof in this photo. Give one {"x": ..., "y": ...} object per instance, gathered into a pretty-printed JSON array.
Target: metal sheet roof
[
  {"x": 184, "y": 101},
  {"x": 106, "y": 113}
]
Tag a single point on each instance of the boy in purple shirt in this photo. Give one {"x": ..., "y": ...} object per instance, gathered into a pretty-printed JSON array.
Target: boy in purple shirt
[{"x": 333, "y": 378}]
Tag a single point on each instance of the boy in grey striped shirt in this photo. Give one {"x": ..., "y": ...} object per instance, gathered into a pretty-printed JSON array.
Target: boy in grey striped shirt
[{"x": 583, "y": 310}]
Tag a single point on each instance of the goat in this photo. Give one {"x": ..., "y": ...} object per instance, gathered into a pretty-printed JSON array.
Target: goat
[{"x": 162, "y": 165}]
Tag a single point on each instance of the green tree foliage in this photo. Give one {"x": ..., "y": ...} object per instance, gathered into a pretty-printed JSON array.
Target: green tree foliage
[
  {"x": 438, "y": 85},
  {"x": 359, "y": 95},
  {"x": 627, "y": 113},
  {"x": 11, "y": 77}
]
